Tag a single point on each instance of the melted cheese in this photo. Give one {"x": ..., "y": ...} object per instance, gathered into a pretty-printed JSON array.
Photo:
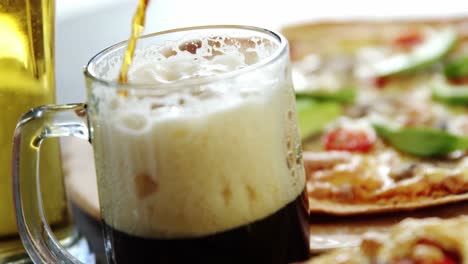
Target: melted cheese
[{"x": 402, "y": 243}]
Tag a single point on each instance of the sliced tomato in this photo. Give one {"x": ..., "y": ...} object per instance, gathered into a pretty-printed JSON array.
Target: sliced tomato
[
  {"x": 408, "y": 40},
  {"x": 349, "y": 140}
]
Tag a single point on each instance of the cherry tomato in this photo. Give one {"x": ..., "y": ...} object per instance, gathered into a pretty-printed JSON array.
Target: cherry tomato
[{"x": 349, "y": 140}]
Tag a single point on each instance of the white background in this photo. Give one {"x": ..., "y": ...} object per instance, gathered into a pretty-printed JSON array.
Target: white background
[{"x": 84, "y": 27}]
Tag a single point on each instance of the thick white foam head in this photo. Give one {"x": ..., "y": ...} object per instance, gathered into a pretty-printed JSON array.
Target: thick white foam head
[{"x": 203, "y": 158}]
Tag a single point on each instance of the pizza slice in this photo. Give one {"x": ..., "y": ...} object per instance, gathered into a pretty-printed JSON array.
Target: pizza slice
[
  {"x": 342, "y": 182},
  {"x": 412, "y": 241},
  {"x": 398, "y": 135}
]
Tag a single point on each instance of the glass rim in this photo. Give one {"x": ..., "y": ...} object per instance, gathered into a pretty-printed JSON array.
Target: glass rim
[{"x": 278, "y": 53}]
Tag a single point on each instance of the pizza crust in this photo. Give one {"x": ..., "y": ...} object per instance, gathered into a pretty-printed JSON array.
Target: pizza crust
[
  {"x": 344, "y": 183},
  {"x": 336, "y": 208},
  {"x": 329, "y": 37}
]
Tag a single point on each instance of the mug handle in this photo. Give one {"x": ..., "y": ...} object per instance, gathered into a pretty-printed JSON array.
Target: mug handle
[{"x": 40, "y": 123}]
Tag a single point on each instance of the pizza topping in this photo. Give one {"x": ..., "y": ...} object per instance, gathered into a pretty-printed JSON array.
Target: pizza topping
[
  {"x": 314, "y": 161},
  {"x": 353, "y": 135},
  {"x": 408, "y": 40},
  {"x": 424, "y": 260},
  {"x": 353, "y": 140},
  {"x": 358, "y": 110},
  {"x": 412, "y": 241},
  {"x": 458, "y": 125},
  {"x": 429, "y": 251},
  {"x": 422, "y": 141},
  {"x": 425, "y": 253},
  {"x": 459, "y": 81},
  {"x": 344, "y": 95},
  {"x": 372, "y": 242},
  {"x": 435, "y": 47},
  {"x": 448, "y": 260},
  {"x": 350, "y": 181},
  {"x": 316, "y": 72},
  {"x": 435, "y": 175},
  {"x": 324, "y": 78},
  {"x": 380, "y": 177},
  {"x": 381, "y": 82},
  {"x": 454, "y": 183},
  {"x": 313, "y": 116},
  {"x": 404, "y": 171},
  {"x": 448, "y": 93},
  {"x": 457, "y": 69},
  {"x": 366, "y": 57},
  {"x": 409, "y": 109}
]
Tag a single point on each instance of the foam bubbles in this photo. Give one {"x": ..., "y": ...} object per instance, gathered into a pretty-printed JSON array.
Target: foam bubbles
[
  {"x": 133, "y": 121},
  {"x": 188, "y": 59}
]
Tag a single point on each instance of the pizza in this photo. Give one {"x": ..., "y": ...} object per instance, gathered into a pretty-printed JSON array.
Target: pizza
[
  {"x": 412, "y": 241},
  {"x": 383, "y": 113}
]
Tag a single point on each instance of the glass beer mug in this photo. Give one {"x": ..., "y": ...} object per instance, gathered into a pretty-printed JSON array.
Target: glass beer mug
[
  {"x": 198, "y": 157},
  {"x": 27, "y": 80}
]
